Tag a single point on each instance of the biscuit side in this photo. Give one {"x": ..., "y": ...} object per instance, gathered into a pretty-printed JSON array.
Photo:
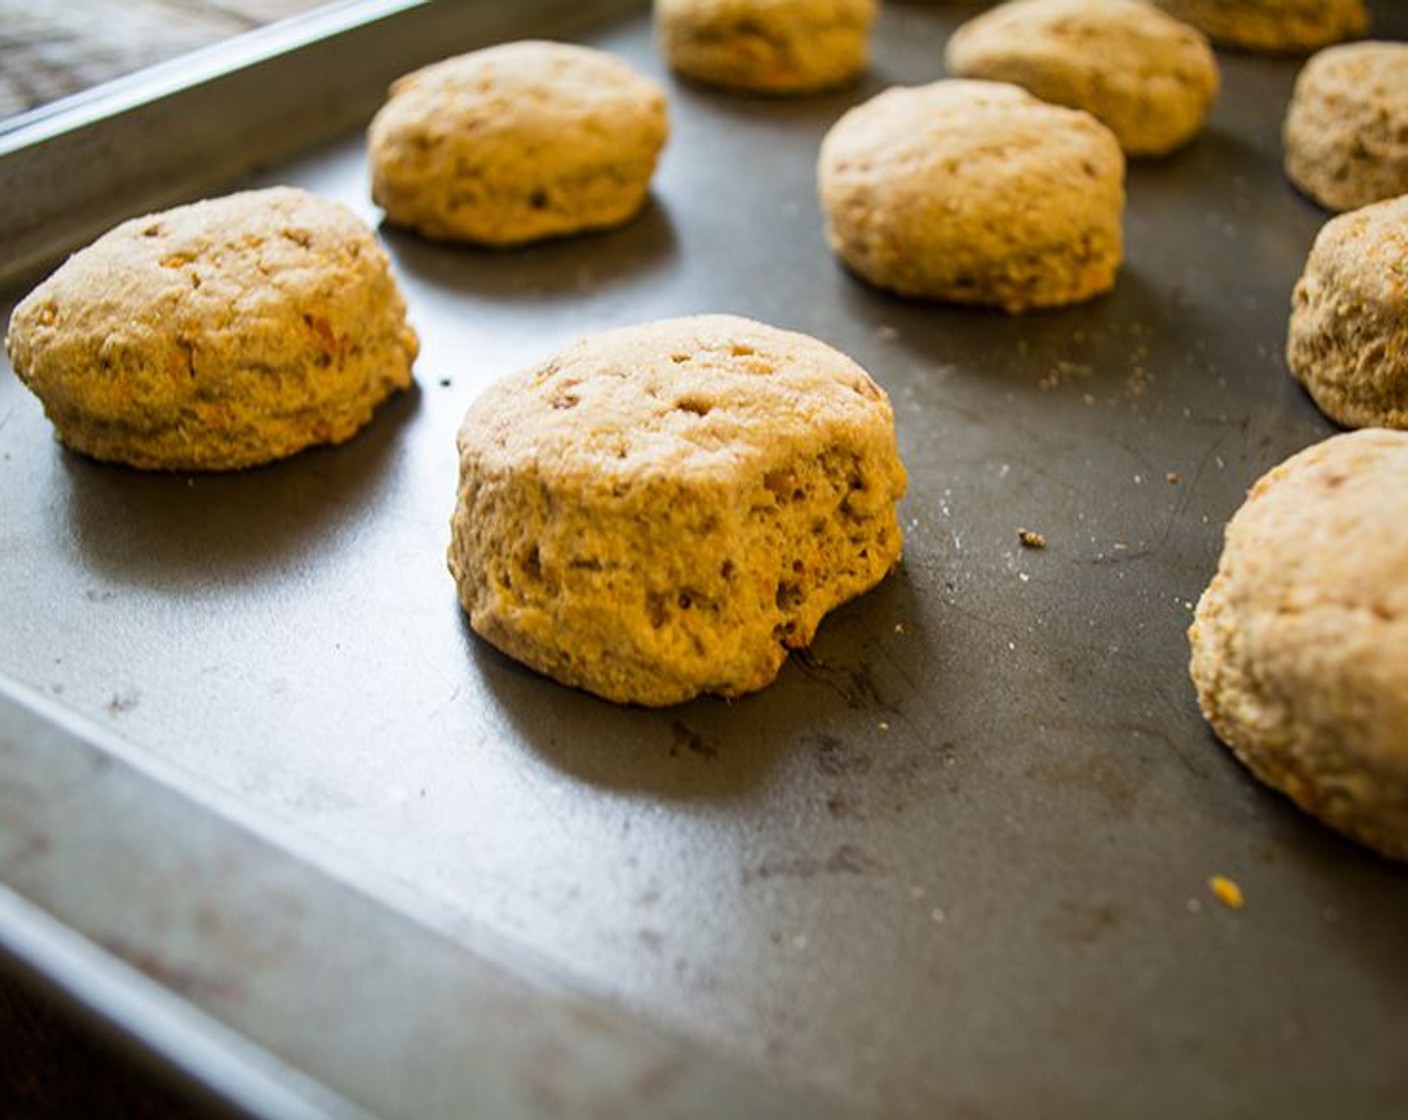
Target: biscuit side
[{"x": 1300, "y": 642}]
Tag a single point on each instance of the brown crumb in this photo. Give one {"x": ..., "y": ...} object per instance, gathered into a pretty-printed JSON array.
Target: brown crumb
[
  {"x": 1226, "y": 892},
  {"x": 1030, "y": 538},
  {"x": 1171, "y": 478}
]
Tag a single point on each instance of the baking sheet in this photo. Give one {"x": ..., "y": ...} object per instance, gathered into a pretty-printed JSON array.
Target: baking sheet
[{"x": 955, "y": 860}]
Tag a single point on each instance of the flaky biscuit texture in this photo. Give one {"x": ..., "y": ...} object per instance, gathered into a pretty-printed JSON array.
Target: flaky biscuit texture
[{"x": 665, "y": 510}]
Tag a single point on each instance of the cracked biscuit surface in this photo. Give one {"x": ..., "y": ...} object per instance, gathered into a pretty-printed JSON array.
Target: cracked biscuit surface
[
  {"x": 1300, "y": 642},
  {"x": 217, "y": 335},
  {"x": 666, "y": 510},
  {"x": 975, "y": 193},
  {"x": 1148, "y": 77},
  {"x": 1348, "y": 336},
  {"x": 516, "y": 143},
  {"x": 766, "y": 46},
  {"x": 1346, "y": 131}
]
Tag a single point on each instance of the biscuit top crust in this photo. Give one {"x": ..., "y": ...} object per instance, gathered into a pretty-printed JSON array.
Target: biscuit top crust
[
  {"x": 699, "y": 398},
  {"x": 247, "y": 280},
  {"x": 811, "y": 11},
  {"x": 559, "y": 89},
  {"x": 1365, "y": 254},
  {"x": 205, "y": 264},
  {"x": 1148, "y": 76},
  {"x": 1273, "y": 25},
  {"x": 1129, "y": 41},
  {"x": 973, "y": 139},
  {"x": 1313, "y": 570},
  {"x": 1359, "y": 81},
  {"x": 1370, "y": 71}
]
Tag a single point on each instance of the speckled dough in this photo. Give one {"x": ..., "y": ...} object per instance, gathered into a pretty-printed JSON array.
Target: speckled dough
[
  {"x": 1289, "y": 26},
  {"x": 1348, "y": 337},
  {"x": 1147, "y": 76},
  {"x": 516, "y": 143},
  {"x": 218, "y": 335},
  {"x": 766, "y": 46},
  {"x": 1300, "y": 642},
  {"x": 1346, "y": 132},
  {"x": 975, "y": 193},
  {"x": 665, "y": 510}
]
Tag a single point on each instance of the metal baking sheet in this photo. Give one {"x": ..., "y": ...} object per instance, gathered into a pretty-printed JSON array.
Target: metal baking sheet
[{"x": 954, "y": 862}]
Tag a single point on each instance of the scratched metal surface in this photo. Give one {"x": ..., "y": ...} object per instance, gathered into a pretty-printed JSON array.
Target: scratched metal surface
[{"x": 955, "y": 860}]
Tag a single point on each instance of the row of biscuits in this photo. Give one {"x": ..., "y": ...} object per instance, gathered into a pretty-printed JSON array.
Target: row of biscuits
[{"x": 664, "y": 510}]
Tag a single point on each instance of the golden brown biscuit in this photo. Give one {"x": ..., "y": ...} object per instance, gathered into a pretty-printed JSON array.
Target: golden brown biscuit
[
  {"x": 975, "y": 193},
  {"x": 1346, "y": 132},
  {"x": 766, "y": 46},
  {"x": 1348, "y": 337},
  {"x": 1289, "y": 26},
  {"x": 1300, "y": 642},
  {"x": 218, "y": 335},
  {"x": 665, "y": 510},
  {"x": 516, "y": 143},
  {"x": 1148, "y": 77}
]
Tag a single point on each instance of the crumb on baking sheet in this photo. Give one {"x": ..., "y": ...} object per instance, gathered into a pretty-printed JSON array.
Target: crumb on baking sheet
[
  {"x": 1171, "y": 478},
  {"x": 1226, "y": 892},
  {"x": 1030, "y": 538}
]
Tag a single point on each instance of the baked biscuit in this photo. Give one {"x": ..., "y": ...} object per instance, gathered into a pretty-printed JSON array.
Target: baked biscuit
[
  {"x": 1146, "y": 76},
  {"x": 665, "y": 510},
  {"x": 766, "y": 46},
  {"x": 1275, "y": 26},
  {"x": 1348, "y": 336},
  {"x": 1346, "y": 132},
  {"x": 218, "y": 335},
  {"x": 1300, "y": 642},
  {"x": 975, "y": 193},
  {"x": 516, "y": 143}
]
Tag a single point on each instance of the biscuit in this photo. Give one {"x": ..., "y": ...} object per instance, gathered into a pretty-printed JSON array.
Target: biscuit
[
  {"x": 516, "y": 143},
  {"x": 666, "y": 510},
  {"x": 766, "y": 46},
  {"x": 1300, "y": 642},
  {"x": 975, "y": 193},
  {"x": 1348, "y": 337},
  {"x": 217, "y": 335},
  {"x": 1273, "y": 26},
  {"x": 1146, "y": 76},
  {"x": 1346, "y": 132}
]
